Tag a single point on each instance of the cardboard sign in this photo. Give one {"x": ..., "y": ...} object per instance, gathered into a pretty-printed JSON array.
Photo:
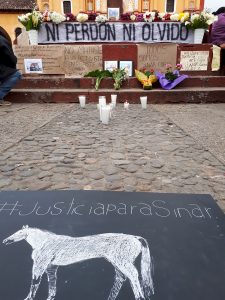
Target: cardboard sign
[
  {"x": 156, "y": 56},
  {"x": 52, "y": 57},
  {"x": 216, "y": 58},
  {"x": 89, "y": 245},
  {"x": 194, "y": 60},
  {"x": 82, "y": 59},
  {"x": 129, "y": 32}
]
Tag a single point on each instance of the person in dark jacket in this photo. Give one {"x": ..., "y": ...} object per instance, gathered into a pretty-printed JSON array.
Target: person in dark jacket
[
  {"x": 9, "y": 75},
  {"x": 218, "y": 35}
]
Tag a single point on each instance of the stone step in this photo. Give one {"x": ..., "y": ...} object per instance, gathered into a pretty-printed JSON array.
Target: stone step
[
  {"x": 132, "y": 95},
  {"x": 59, "y": 82}
]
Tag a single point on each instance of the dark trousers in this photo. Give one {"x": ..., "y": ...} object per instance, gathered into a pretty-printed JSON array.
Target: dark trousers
[{"x": 8, "y": 84}]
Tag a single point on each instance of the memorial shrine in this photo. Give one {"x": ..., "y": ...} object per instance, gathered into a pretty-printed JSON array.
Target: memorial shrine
[{"x": 74, "y": 38}]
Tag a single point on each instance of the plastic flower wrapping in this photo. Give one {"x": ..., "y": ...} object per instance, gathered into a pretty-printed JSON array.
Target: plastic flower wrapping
[
  {"x": 32, "y": 20},
  {"x": 147, "y": 78},
  {"x": 82, "y": 17},
  {"x": 101, "y": 19},
  {"x": 171, "y": 78}
]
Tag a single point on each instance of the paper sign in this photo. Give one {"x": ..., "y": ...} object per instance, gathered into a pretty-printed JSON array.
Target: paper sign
[
  {"x": 194, "y": 60},
  {"x": 156, "y": 56},
  {"x": 81, "y": 59},
  {"x": 216, "y": 58},
  {"x": 52, "y": 57}
]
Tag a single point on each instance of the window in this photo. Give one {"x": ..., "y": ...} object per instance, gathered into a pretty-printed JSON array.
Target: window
[
  {"x": 145, "y": 5},
  {"x": 191, "y": 4},
  {"x": 90, "y": 5},
  {"x": 67, "y": 7},
  {"x": 170, "y": 5}
]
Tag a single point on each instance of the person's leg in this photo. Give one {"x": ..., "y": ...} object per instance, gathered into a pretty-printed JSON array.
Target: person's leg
[{"x": 8, "y": 84}]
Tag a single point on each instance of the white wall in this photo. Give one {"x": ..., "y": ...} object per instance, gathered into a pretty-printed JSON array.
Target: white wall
[{"x": 214, "y": 4}]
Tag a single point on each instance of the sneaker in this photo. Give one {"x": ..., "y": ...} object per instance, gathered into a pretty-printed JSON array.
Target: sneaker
[{"x": 5, "y": 103}]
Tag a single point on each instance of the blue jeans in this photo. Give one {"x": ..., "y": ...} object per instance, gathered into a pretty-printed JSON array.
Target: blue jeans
[{"x": 8, "y": 84}]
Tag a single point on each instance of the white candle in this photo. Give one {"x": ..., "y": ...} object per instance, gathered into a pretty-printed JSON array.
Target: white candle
[
  {"x": 113, "y": 100},
  {"x": 144, "y": 102},
  {"x": 102, "y": 100},
  {"x": 82, "y": 100},
  {"x": 126, "y": 105},
  {"x": 105, "y": 114}
]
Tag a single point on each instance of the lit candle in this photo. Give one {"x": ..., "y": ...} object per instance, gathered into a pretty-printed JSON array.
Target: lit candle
[
  {"x": 126, "y": 105},
  {"x": 82, "y": 100}
]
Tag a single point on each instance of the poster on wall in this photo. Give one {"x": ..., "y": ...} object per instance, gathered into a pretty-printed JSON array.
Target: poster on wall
[
  {"x": 33, "y": 65},
  {"x": 95, "y": 245}
]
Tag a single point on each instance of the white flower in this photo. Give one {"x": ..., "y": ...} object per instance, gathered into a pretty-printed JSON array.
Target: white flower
[
  {"x": 133, "y": 17},
  {"x": 194, "y": 17},
  {"x": 81, "y": 17},
  {"x": 187, "y": 23},
  {"x": 174, "y": 17},
  {"x": 101, "y": 19},
  {"x": 182, "y": 20},
  {"x": 162, "y": 15},
  {"x": 148, "y": 16},
  {"x": 57, "y": 18}
]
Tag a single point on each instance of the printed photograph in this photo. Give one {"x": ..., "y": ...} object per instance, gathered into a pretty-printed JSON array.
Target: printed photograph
[
  {"x": 33, "y": 65},
  {"x": 128, "y": 65},
  {"x": 113, "y": 13},
  {"x": 110, "y": 65}
]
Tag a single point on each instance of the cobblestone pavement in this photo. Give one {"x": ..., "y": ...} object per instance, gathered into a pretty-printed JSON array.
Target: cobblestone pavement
[{"x": 161, "y": 149}]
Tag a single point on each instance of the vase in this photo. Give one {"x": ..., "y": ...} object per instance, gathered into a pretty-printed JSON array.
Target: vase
[
  {"x": 198, "y": 35},
  {"x": 33, "y": 37}
]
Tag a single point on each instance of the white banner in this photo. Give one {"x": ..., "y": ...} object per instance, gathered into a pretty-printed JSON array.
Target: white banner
[{"x": 113, "y": 32}]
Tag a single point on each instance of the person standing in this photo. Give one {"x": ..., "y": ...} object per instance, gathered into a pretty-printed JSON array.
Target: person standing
[
  {"x": 218, "y": 34},
  {"x": 9, "y": 75}
]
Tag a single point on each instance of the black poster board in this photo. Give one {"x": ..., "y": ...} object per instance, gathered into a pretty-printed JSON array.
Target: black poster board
[{"x": 184, "y": 233}]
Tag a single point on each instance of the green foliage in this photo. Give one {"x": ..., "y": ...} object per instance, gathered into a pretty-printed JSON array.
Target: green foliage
[{"x": 99, "y": 75}]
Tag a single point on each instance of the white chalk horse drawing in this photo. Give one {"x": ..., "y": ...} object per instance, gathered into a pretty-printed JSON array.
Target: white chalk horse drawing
[{"x": 51, "y": 251}]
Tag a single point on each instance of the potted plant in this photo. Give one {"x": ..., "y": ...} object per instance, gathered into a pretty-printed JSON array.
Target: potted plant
[{"x": 199, "y": 23}]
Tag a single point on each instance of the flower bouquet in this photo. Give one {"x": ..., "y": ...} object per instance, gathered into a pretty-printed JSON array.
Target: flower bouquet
[
  {"x": 201, "y": 20},
  {"x": 82, "y": 17},
  {"x": 119, "y": 75},
  {"x": 171, "y": 78},
  {"x": 147, "y": 78},
  {"x": 31, "y": 21},
  {"x": 57, "y": 18},
  {"x": 70, "y": 17},
  {"x": 101, "y": 19},
  {"x": 149, "y": 16},
  {"x": 92, "y": 16}
]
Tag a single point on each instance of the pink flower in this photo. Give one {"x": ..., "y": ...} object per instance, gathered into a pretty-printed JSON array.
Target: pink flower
[{"x": 168, "y": 66}]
